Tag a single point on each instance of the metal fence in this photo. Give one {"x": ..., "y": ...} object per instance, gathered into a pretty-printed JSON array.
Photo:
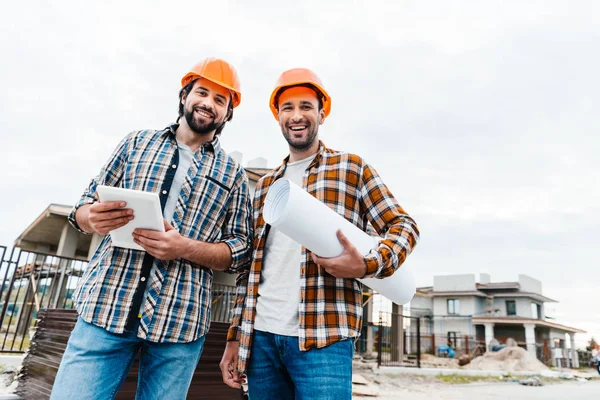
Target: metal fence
[
  {"x": 438, "y": 345},
  {"x": 31, "y": 281},
  {"x": 395, "y": 345}
]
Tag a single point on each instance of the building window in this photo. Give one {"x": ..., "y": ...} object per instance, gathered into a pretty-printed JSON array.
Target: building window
[
  {"x": 453, "y": 306},
  {"x": 511, "y": 308},
  {"x": 536, "y": 311}
]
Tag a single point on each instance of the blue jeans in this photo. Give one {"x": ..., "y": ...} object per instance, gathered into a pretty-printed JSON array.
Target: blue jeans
[
  {"x": 279, "y": 370},
  {"x": 96, "y": 362}
]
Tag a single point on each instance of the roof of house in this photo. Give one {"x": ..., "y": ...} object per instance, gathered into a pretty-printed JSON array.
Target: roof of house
[
  {"x": 511, "y": 289},
  {"x": 498, "y": 285},
  {"x": 431, "y": 293},
  {"x": 254, "y": 174},
  {"x": 47, "y": 228},
  {"x": 521, "y": 320}
]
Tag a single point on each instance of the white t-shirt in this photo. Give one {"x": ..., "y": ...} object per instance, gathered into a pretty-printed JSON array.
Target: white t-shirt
[
  {"x": 186, "y": 155},
  {"x": 279, "y": 288}
]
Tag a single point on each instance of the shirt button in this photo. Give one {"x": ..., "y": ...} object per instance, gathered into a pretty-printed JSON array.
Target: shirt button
[
  {"x": 164, "y": 192},
  {"x": 143, "y": 279},
  {"x": 174, "y": 166}
]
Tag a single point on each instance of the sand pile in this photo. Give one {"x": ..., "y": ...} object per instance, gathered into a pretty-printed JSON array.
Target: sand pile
[
  {"x": 509, "y": 359},
  {"x": 431, "y": 361}
]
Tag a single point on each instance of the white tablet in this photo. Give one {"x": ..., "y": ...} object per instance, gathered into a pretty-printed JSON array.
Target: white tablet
[{"x": 146, "y": 209}]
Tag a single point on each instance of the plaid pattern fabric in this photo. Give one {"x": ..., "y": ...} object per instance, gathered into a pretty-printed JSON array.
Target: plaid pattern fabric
[
  {"x": 330, "y": 308},
  {"x": 213, "y": 206}
]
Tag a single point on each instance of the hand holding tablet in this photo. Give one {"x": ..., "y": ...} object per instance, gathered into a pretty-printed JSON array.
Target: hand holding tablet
[{"x": 146, "y": 209}]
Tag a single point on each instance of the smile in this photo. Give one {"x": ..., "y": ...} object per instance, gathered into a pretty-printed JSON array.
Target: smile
[{"x": 204, "y": 114}]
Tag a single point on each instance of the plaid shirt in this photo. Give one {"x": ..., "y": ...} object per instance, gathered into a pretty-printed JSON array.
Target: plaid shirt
[
  {"x": 213, "y": 206},
  {"x": 330, "y": 308}
]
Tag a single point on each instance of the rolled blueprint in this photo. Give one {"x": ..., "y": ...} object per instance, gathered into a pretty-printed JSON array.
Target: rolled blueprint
[{"x": 306, "y": 220}]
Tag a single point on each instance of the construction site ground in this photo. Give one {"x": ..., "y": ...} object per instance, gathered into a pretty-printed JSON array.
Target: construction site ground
[
  {"x": 461, "y": 383},
  {"x": 371, "y": 382}
]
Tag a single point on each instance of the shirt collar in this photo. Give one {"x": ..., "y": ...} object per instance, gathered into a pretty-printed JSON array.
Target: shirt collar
[
  {"x": 313, "y": 163},
  {"x": 214, "y": 145}
]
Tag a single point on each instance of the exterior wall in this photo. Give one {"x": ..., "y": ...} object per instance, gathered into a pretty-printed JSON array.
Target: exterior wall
[
  {"x": 452, "y": 283},
  {"x": 478, "y": 306},
  {"x": 530, "y": 285},
  {"x": 462, "y": 325},
  {"x": 523, "y": 306},
  {"x": 251, "y": 188},
  {"x": 468, "y": 305},
  {"x": 421, "y": 303},
  {"x": 557, "y": 335},
  {"x": 503, "y": 332}
]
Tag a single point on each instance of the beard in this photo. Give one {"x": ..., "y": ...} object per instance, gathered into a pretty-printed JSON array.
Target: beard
[
  {"x": 300, "y": 144},
  {"x": 198, "y": 125}
]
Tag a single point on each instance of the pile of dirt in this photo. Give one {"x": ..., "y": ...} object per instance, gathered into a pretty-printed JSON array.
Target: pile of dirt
[
  {"x": 509, "y": 359},
  {"x": 431, "y": 361}
]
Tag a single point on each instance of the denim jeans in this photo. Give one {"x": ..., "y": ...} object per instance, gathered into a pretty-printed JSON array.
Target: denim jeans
[
  {"x": 96, "y": 362},
  {"x": 279, "y": 370}
]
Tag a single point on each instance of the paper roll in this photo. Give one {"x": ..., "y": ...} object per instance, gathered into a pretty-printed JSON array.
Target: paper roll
[{"x": 303, "y": 218}]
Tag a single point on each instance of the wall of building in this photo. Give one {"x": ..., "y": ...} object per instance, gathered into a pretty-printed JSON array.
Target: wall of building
[
  {"x": 451, "y": 283},
  {"x": 421, "y": 303},
  {"x": 468, "y": 305},
  {"x": 503, "y": 332},
  {"x": 523, "y": 306},
  {"x": 462, "y": 325},
  {"x": 530, "y": 285}
]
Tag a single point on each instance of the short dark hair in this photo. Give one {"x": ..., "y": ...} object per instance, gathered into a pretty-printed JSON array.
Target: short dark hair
[
  {"x": 187, "y": 89},
  {"x": 320, "y": 95}
]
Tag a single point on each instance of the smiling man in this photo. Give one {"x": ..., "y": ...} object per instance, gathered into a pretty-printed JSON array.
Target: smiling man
[
  {"x": 296, "y": 314},
  {"x": 157, "y": 302}
]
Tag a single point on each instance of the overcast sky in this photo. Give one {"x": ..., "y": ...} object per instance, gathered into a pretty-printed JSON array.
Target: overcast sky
[{"x": 478, "y": 115}]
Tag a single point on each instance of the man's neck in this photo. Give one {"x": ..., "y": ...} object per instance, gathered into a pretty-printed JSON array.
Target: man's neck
[
  {"x": 192, "y": 139},
  {"x": 297, "y": 155}
]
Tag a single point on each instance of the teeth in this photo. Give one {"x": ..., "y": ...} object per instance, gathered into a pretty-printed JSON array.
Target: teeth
[
  {"x": 204, "y": 114},
  {"x": 298, "y": 128}
]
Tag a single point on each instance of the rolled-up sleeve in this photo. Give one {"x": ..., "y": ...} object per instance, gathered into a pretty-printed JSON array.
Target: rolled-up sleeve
[
  {"x": 398, "y": 230},
  {"x": 237, "y": 230},
  {"x": 110, "y": 175}
]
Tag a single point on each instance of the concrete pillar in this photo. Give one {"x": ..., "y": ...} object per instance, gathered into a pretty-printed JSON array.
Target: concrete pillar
[
  {"x": 368, "y": 321},
  {"x": 530, "y": 338},
  {"x": 574, "y": 355},
  {"x": 566, "y": 353},
  {"x": 67, "y": 245},
  {"x": 397, "y": 333},
  {"x": 489, "y": 333}
]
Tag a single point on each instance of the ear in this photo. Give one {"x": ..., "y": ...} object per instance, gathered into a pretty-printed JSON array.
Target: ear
[{"x": 321, "y": 117}]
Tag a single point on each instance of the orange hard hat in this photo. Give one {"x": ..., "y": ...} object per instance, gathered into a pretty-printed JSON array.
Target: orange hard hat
[
  {"x": 295, "y": 77},
  {"x": 218, "y": 71}
]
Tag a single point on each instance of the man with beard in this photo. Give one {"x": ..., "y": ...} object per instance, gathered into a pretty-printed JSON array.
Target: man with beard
[
  {"x": 157, "y": 302},
  {"x": 297, "y": 315}
]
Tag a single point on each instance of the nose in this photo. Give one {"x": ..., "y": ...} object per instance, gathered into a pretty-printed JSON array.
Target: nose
[
  {"x": 297, "y": 115},
  {"x": 207, "y": 104}
]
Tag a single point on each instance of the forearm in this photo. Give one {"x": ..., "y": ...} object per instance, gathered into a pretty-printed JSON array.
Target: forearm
[
  {"x": 215, "y": 256},
  {"x": 398, "y": 243},
  {"x": 241, "y": 287}
]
